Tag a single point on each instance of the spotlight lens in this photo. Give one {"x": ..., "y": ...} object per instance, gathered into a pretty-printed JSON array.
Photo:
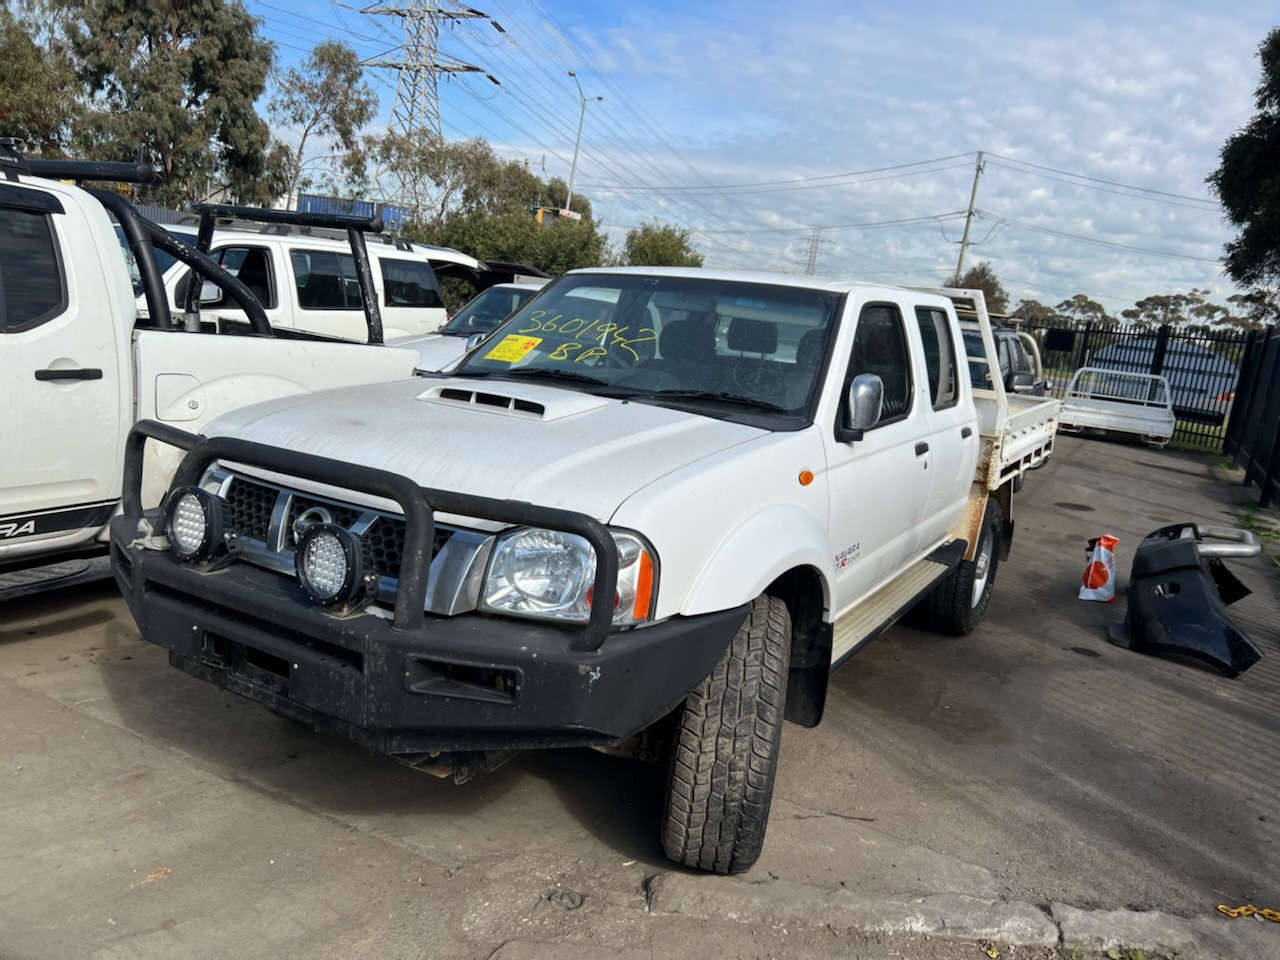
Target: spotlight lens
[
  {"x": 187, "y": 524},
  {"x": 324, "y": 564}
]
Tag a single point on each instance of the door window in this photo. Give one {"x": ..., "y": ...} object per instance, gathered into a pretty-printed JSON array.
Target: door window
[
  {"x": 880, "y": 347},
  {"x": 409, "y": 283},
  {"x": 31, "y": 283},
  {"x": 252, "y": 267},
  {"x": 939, "y": 356}
]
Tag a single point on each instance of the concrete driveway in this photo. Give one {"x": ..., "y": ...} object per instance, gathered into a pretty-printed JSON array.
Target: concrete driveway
[{"x": 1022, "y": 785}]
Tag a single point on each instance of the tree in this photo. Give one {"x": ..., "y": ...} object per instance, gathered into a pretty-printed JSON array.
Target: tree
[
  {"x": 654, "y": 244},
  {"x": 1084, "y": 310},
  {"x": 1186, "y": 310},
  {"x": 1260, "y": 306},
  {"x": 983, "y": 277},
  {"x": 39, "y": 93},
  {"x": 1248, "y": 180},
  {"x": 556, "y": 247},
  {"x": 175, "y": 83},
  {"x": 1035, "y": 311},
  {"x": 327, "y": 100},
  {"x": 448, "y": 176}
]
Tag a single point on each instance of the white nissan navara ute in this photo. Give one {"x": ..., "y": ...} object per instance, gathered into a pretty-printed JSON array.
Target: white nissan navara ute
[{"x": 650, "y": 514}]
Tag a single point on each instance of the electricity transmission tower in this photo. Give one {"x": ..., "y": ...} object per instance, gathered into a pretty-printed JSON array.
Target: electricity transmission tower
[
  {"x": 815, "y": 249},
  {"x": 415, "y": 115}
]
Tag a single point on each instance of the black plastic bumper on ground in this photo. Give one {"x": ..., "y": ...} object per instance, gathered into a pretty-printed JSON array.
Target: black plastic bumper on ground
[{"x": 470, "y": 682}]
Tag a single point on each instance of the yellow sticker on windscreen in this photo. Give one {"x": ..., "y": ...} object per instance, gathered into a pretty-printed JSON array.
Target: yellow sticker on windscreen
[{"x": 512, "y": 348}]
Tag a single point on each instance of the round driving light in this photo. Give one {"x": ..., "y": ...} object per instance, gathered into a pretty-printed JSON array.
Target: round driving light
[
  {"x": 331, "y": 566},
  {"x": 194, "y": 523}
]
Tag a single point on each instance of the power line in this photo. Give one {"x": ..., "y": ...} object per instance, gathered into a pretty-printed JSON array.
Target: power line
[
  {"x": 797, "y": 181},
  {"x": 1048, "y": 231},
  {"x": 1109, "y": 183}
]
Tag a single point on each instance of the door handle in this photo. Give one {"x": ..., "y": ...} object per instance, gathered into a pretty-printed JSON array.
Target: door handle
[
  {"x": 83, "y": 373},
  {"x": 921, "y": 449},
  {"x": 965, "y": 433}
]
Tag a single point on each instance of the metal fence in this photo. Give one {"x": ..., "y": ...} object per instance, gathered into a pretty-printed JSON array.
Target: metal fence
[
  {"x": 1253, "y": 435},
  {"x": 1203, "y": 368}
]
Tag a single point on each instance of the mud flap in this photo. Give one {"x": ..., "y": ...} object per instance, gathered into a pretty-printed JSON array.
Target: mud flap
[{"x": 1178, "y": 594}]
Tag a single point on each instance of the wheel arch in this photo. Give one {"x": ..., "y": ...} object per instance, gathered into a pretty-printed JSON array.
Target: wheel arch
[{"x": 803, "y": 591}]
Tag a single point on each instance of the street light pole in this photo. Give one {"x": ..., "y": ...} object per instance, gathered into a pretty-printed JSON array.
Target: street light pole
[{"x": 582, "y": 115}]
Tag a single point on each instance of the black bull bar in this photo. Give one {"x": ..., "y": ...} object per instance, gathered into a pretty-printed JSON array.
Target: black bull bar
[{"x": 419, "y": 505}]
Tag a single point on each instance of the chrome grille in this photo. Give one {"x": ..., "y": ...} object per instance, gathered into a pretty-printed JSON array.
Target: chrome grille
[
  {"x": 264, "y": 514},
  {"x": 343, "y": 515}
]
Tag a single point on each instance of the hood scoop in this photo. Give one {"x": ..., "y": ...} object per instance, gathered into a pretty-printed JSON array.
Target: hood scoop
[
  {"x": 526, "y": 402},
  {"x": 481, "y": 398}
]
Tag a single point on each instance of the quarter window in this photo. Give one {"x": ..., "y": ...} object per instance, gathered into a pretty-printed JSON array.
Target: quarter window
[
  {"x": 325, "y": 281},
  {"x": 939, "y": 356},
  {"x": 880, "y": 347},
  {"x": 409, "y": 283},
  {"x": 31, "y": 284}
]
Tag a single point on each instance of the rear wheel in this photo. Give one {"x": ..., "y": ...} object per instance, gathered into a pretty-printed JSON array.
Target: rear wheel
[
  {"x": 958, "y": 604},
  {"x": 725, "y": 753}
]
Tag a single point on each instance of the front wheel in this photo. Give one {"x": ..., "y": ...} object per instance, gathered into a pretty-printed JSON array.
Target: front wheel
[
  {"x": 958, "y": 604},
  {"x": 725, "y": 754}
]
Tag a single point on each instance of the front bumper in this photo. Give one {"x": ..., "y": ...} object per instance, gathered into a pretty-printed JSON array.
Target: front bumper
[{"x": 469, "y": 682}]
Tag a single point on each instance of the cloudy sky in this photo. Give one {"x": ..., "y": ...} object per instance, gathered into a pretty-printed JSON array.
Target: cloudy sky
[{"x": 752, "y": 124}]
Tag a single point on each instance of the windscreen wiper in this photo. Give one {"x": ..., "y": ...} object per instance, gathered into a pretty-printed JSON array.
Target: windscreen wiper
[
  {"x": 552, "y": 373},
  {"x": 719, "y": 396}
]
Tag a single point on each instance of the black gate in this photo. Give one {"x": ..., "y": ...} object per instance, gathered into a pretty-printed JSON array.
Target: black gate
[
  {"x": 1203, "y": 368},
  {"x": 1253, "y": 435}
]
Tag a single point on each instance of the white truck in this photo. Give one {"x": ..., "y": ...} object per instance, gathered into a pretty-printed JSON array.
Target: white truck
[
  {"x": 79, "y": 368},
  {"x": 649, "y": 514}
]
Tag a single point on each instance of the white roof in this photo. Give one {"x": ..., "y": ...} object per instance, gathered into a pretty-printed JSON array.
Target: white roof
[
  {"x": 376, "y": 242},
  {"x": 748, "y": 276}
]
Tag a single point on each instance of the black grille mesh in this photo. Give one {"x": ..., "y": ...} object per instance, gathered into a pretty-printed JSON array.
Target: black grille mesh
[{"x": 250, "y": 506}]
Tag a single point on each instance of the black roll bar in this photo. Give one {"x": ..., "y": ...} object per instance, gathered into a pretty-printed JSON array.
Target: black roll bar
[
  {"x": 144, "y": 254},
  {"x": 355, "y": 227}
]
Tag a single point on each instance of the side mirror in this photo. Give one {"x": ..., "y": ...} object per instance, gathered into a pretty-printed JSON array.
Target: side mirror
[
  {"x": 864, "y": 404},
  {"x": 210, "y": 293},
  {"x": 1021, "y": 382},
  {"x": 475, "y": 340}
]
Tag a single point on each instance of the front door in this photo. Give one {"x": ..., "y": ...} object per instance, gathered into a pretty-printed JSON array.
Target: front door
[
  {"x": 880, "y": 483},
  {"x": 62, "y": 375}
]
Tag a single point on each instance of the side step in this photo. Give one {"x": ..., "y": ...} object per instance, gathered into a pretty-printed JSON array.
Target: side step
[
  {"x": 54, "y": 576},
  {"x": 882, "y": 609}
]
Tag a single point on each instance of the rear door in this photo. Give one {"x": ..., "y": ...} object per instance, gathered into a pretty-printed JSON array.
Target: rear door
[
  {"x": 953, "y": 433},
  {"x": 62, "y": 368}
]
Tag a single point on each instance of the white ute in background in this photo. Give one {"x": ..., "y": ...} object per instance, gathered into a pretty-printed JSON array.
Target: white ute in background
[{"x": 79, "y": 367}]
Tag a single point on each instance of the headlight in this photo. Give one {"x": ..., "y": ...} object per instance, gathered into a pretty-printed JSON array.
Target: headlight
[
  {"x": 332, "y": 567},
  {"x": 194, "y": 523},
  {"x": 550, "y": 574}
]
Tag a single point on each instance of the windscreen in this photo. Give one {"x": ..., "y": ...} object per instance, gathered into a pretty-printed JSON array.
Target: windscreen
[{"x": 670, "y": 339}]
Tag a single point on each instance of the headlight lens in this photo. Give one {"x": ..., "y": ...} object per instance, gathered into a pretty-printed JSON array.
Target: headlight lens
[
  {"x": 194, "y": 523},
  {"x": 550, "y": 574}
]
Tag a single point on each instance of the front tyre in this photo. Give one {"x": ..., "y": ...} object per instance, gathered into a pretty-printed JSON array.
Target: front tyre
[
  {"x": 725, "y": 752},
  {"x": 958, "y": 604}
]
